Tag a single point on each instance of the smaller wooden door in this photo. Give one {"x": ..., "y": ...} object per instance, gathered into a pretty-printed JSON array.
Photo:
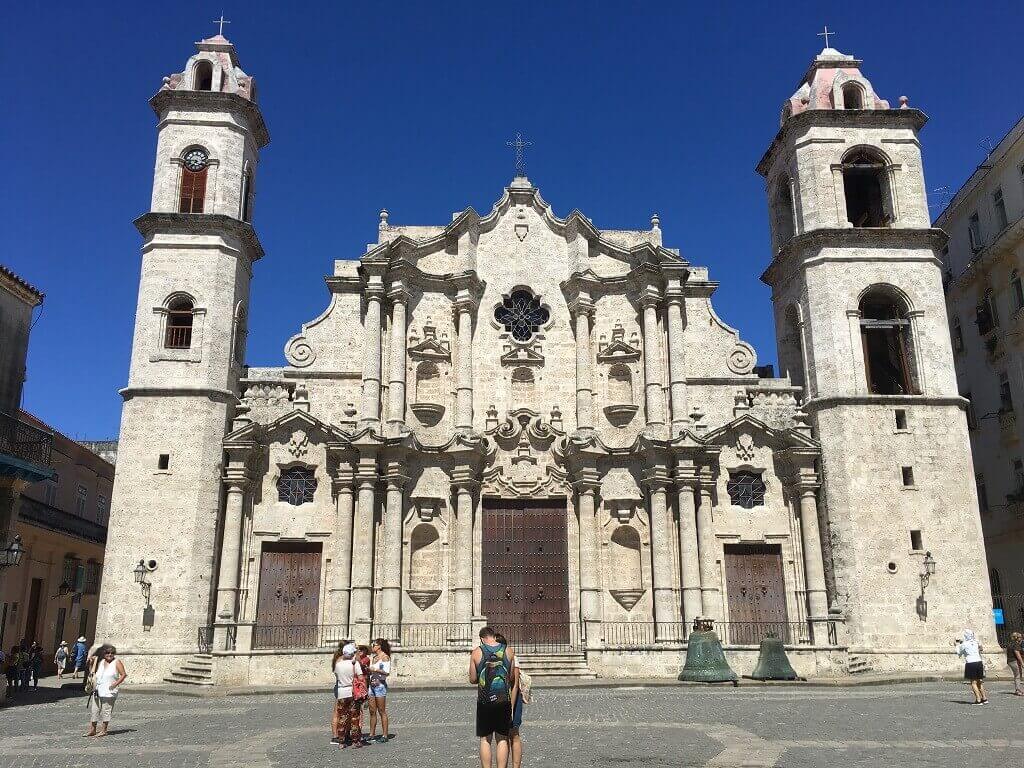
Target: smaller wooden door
[
  {"x": 32, "y": 616},
  {"x": 756, "y": 593},
  {"x": 288, "y": 608}
]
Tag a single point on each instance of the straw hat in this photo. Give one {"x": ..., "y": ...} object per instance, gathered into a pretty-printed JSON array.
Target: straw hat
[{"x": 82, "y": 639}]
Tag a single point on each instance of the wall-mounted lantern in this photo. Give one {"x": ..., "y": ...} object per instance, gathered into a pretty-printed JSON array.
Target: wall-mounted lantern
[{"x": 12, "y": 554}]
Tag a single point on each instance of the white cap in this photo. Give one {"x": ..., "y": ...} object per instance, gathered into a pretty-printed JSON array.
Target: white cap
[{"x": 348, "y": 650}]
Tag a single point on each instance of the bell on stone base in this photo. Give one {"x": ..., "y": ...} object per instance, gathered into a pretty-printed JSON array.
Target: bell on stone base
[
  {"x": 773, "y": 663},
  {"x": 705, "y": 659}
]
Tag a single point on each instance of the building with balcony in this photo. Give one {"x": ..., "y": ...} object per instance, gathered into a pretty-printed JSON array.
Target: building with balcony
[{"x": 984, "y": 269}]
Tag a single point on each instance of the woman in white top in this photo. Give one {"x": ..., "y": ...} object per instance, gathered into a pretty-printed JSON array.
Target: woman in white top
[
  {"x": 380, "y": 669},
  {"x": 974, "y": 670},
  {"x": 108, "y": 674}
]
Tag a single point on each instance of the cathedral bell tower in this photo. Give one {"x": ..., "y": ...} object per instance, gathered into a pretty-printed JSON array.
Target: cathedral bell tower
[
  {"x": 861, "y": 326},
  {"x": 188, "y": 350}
]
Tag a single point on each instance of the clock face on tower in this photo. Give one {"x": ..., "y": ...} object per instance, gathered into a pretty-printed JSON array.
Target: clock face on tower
[{"x": 196, "y": 159}]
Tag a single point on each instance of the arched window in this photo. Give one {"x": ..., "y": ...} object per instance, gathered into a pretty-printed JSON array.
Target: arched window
[
  {"x": 866, "y": 187},
  {"x": 782, "y": 211},
  {"x": 888, "y": 350},
  {"x": 620, "y": 385},
  {"x": 202, "y": 76},
  {"x": 296, "y": 486},
  {"x": 853, "y": 96},
  {"x": 1017, "y": 289},
  {"x": 195, "y": 165},
  {"x": 521, "y": 314},
  {"x": 180, "y": 313},
  {"x": 428, "y": 383},
  {"x": 247, "y": 195},
  {"x": 522, "y": 387},
  {"x": 746, "y": 489}
]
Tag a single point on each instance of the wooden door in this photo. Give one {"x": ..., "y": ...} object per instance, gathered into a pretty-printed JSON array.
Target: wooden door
[
  {"x": 756, "y": 593},
  {"x": 288, "y": 608},
  {"x": 32, "y": 615},
  {"x": 526, "y": 571}
]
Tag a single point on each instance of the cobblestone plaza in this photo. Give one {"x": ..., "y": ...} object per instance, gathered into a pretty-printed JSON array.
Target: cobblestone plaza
[{"x": 644, "y": 725}]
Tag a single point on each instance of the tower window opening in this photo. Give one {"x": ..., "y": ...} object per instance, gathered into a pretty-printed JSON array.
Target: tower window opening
[
  {"x": 783, "y": 213},
  {"x": 179, "y": 324},
  {"x": 888, "y": 349},
  {"x": 901, "y": 419},
  {"x": 866, "y": 188},
  {"x": 202, "y": 77},
  {"x": 163, "y": 461},
  {"x": 853, "y": 96},
  {"x": 908, "y": 476},
  {"x": 247, "y": 195},
  {"x": 916, "y": 541},
  {"x": 1017, "y": 289},
  {"x": 195, "y": 164}
]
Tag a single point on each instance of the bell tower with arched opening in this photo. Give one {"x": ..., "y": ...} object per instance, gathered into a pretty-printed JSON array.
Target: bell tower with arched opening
[
  {"x": 861, "y": 327},
  {"x": 198, "y": 252}
]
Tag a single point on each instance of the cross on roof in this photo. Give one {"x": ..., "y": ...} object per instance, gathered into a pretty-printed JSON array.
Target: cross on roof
[
  {"x": 221, "y": 21},
  {"x": 519, "y": 144},
  {"x": 825, "y": 34}
]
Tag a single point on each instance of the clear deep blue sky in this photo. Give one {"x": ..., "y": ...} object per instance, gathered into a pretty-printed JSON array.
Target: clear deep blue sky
[{"x": 632, "y": 108}]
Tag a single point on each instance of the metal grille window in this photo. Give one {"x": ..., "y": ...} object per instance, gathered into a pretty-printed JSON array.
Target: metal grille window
[
  {"x": 70, "y": 569},
  {"x": 92, "y": 577},
  {"x": 521, "y": 314},
  {"x": 746, "y": 489},
  {"x": 81, "y": 499},
  {"x": 296, "y": 486}
]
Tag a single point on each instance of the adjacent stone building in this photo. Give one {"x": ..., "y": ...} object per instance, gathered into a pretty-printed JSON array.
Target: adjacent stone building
[
  {"x": 525, "y": 420},
  {"x": 984, "y": 261}
]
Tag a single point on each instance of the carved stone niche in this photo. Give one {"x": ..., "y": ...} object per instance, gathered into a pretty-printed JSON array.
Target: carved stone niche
[
  {"x": 433, "y": 359},
  {"x": 625, "y": 559},
  {"x": 425, "y": 546},
  {"x": 620, "y": 391}
]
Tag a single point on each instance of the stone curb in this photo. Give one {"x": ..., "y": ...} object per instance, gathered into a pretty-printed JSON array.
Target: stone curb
[{"x": 568, "y": 683}]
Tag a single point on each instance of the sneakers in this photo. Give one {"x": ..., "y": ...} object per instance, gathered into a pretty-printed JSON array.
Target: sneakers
[{"x": 335, "y": 740}]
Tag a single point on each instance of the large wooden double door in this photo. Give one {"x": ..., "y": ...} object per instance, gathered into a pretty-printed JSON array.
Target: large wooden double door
[
  {"x": 288, "y": 609},
  {"x": 756, "y": 593},
  {"x": 525, "y": 566}
]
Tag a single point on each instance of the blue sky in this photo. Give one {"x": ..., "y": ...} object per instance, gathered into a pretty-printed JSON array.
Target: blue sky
[{"x": 632, "y": 108}]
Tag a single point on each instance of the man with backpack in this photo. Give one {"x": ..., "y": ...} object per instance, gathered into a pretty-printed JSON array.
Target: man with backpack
[{"x": 492, "y": 669}]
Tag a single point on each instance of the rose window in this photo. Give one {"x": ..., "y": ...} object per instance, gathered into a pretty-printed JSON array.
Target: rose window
[{"x": 521, "y": 314}]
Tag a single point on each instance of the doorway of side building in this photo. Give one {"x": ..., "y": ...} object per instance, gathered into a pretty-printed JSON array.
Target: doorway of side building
[
  {"x": 525, "y": 589},
  {"x": 288, "y": 606},
  {"x": 32, "y": 612},
  {"x": 756, "y": 593}
]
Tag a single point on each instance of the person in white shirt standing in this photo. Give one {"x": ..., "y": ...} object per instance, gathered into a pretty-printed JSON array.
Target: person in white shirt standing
[
  {"x": 974, "y": 670},
  {"x": 108, "y": 673},
  {"x": 348, "y": 674}
]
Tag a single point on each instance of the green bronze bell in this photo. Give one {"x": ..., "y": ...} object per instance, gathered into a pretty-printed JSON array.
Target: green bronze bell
[
  {"x": 705, "y": 659},
  {"x": 773, "y": 663}
]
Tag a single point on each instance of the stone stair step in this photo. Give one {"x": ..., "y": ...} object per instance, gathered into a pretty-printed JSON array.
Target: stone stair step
[{"x": 178, "y": 679}]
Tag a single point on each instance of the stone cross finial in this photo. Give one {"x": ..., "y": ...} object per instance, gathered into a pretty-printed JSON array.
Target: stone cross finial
[
  {"x": 221, "y": 22},
  {"x": 825, "y": 34},
  {"x": 519, "y": 145}
]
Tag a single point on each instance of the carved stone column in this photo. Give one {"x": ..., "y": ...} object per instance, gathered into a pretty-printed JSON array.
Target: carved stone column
[
  {"x": 464, "y": 307},
  {"x": 814, "y": 567},
  {"x": 391, "y": 570},
  {"x": 235, "y": 481},
  {"x": 654, "y": 397},
  {"x": 341, "y": 584},
  {"x": 676, "y": 361},
  {"x": 711, "y": 600},
  {"x": 399, "y": 342},
  {"x": 656, "y": 483},
  {"x": 583, "y": 310},
  {"x": 370, "y": 411},
  {"x": 689, "y": 549},
  {"x": 464, "y": 486},
  {"x": 361, "y": 613},
  {"x": 586, "y": 487}
]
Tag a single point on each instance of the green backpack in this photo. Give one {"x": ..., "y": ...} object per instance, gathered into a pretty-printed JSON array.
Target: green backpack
[{"x": 492, "y": 676}]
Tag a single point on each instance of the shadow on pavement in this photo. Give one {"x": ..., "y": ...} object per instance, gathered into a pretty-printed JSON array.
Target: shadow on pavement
[{"x": 25, "y": 697}]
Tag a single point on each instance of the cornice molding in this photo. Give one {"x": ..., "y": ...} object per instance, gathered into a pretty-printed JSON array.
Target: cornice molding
[
  {"x": 155, "y": 223},
  {"x": 214, "y": 101}
]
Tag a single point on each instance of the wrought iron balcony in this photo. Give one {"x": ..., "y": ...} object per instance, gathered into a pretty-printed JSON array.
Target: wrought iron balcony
[{"x": 24, "y": 449}]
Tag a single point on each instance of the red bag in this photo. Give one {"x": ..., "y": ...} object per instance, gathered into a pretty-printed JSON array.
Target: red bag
[{"x": 359, "y": 689}]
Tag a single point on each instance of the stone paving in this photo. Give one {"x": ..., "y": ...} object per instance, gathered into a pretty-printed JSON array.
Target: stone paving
[{"x": 905, "y": 725}]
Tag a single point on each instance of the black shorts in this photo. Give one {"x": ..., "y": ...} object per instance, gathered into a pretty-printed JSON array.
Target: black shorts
[
  {"x": 974, "y": 670},
  {"x": 493, "y": 717}
]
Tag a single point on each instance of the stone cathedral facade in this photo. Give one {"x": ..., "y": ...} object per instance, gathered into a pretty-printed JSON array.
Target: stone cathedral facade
[{"x": 524, "y": 420}]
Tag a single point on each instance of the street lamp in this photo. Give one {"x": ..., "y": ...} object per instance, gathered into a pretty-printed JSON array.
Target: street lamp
[
  {"x": 928, "y": 569},
  {"x": 11, "y": 556},
  {"x": 140, "y": 572}
]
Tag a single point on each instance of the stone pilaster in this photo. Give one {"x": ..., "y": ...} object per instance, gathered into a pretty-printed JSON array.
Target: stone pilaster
[
  {"x": 399, "y": 296},
  {"x": 465, "y": 487},
  {"x": 372, "y": 330},
  {"x": 344, "y": 507},
  {"x": 236, "y": 483},
  {"x": 656, "y": 482},
  {"x": 464, "y": 307},
  {"x": 654, "y": 398},
  {"x": 676, "y": 359},
  {"x": 806, "y": 488},
  {"x": 586, "y": 486},
  {"x": 391, "y": 567},
  {"x": 361, "y": 612},
  {"x": 582, "y": 309},
  {"x": 687, "y": 485},
  {"x": 711, "y": 599}
]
